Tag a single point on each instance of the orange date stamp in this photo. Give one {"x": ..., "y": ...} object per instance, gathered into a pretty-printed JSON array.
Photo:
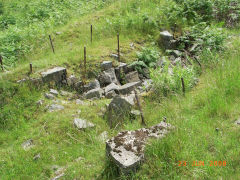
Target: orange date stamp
[{"x": 202, "y": 163}]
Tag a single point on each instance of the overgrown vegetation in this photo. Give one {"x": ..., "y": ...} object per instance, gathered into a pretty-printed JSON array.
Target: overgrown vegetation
[{"x": 204, "y": 118}]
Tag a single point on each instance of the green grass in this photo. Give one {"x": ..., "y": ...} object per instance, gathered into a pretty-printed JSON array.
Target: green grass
[{"x": 213, "y": 103}]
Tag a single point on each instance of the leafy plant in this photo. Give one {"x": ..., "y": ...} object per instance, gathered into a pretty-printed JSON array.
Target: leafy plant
[{"x": 167, "y": 80}]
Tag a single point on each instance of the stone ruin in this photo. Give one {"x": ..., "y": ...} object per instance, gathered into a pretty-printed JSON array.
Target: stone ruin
[{"x": 126, "y": 150}]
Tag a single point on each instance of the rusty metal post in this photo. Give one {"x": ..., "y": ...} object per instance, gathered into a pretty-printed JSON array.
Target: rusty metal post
[
  {"x": 91, "y": 33},
  {"x": 183, "y": 86},
  {"x": 118, "y": 47},
  {"x": 51, "y": 43},
  {"x": 1, "y": 62},
  {"x": 85, "y": 61},
  {"x": 140, "y": 108},
  {"x": 31, "y": 69}
]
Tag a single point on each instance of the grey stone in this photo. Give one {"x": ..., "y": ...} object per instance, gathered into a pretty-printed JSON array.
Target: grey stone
[
  {"x": 176, "y": 53},
  {"x": 132, "y": 77},
  {"x": 92, "y": 85},
  {"x": 49, "y": 96},
  {"x": 55, "y": 107},
  {"x": 114, "y": 56},
  {"x": 128, "y": 88},
  {"x": 65, "y": 93},
  {"x": 126, "y": 149},
  {"x": 27, "y": 144},
  {"x": 121, "y": 68},
  {"x": 57, "y": 75},
  {"x": 36, "y": 157},
  {"x": 105, "y": 65},
  {"x": 82, "y": 124},
  {"x": 135, "y": 112},
  {"x": 166, "y": 40},
  {"x": 237, "y": 122},
  {"x": 130, "y": 98},
  {"x": 107, "y": 77},
  {"x": 72, "y": 80},
  {"x": 58, "y": 33},
  {"x": 80, "y": 102},
  {"x": 54, "y": 92},
  {"x": 110, "y": 94},
  {"x": 118, "y": 109},
  {"x": 40, "y": 102},
  {"x": 94, "y": 93},
  {"x": 21, "y": 80},
  {"x": 111, "y": 87}
]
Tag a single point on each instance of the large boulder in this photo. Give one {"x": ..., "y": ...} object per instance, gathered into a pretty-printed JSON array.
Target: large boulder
[
  {"x": 166, "y": 40},
  {"x": 58, "y": 75},
  {"x": 126, "y": 149},
  {"x": 92, "y": 85},
  {"x": 132, "y": 77},
  {"x": 128, "y": 88},
  {"x": 94, "y": 93},
  {"x": 107, "y": 77},
  {"x": 117, "y": 111}
]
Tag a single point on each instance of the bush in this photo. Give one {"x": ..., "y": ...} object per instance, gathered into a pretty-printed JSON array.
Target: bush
[
  {"x": 167, "y": 80},
  {"x": 227, "y": 11},
  {"x": 202, "y": 37}
]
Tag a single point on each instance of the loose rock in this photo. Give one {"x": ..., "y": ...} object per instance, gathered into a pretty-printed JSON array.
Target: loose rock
[
  {"x": 82, "y": 124},
  {"x": 55, "y": 107},
  {"x": 118, "y": 109},
  {"x": 126, "y": 150},
  {"x": 95, "y": 93},
  {"x": 106, "y": 65},
  {"x": 166, "y": 40},
  {"x": 107, "y": 77},
  {"x": 92, "y": 85},
  {"x": 128, "y": 88},
  {"x": 132, "y": 77},
  {"x": 49, "y": 96},
  {"x": 57, "y": 75},
  {"x": 54, "y": 92},
  {"x": 27, "y": 144}
]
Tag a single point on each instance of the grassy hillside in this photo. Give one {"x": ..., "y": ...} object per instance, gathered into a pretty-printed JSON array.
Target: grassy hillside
[{"x": 204, "y": 118}]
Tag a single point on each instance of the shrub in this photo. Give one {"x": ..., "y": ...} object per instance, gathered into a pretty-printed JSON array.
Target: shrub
[
  {"x": 227, "y": 11},
  {"x": 167, "y": 80}
]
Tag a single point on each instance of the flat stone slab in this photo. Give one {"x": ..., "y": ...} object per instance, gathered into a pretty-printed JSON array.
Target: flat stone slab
[
  {"x": 55, "y": 107},
  {"x": 54, "y": 92},
  {"x": 132, "y": 77},
  {"x": 128, "y": 88},
  {"x": 105, "y": 65},
  {"x": 126, "y": 149},
  {"x": 57, "y": 75},
  {"x": 27, "y": 144},
  {"x": 82, "y": 123}
]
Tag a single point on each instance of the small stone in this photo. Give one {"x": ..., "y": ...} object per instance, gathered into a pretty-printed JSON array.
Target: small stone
[
  {"x": 79, "y": 159},
  {"x": 80, "y": 102},
  {"x": 65, "y": 93},
  {"x": 114, "y": 56},
  {"x": 49, "y": 96},
  {"x": 58, "y": 33},
  {"x": 36, "y": 157},
  {"x": 176, "y": 53},
  {"x": 135, "y": 112},
  {"x": 55, "y": 107},
  {"x": 105, "y": 65},
  {"x": 40, "y": 102},
  {"x": 27, "y": 144},
  {"x": 54, "y": 92},
  {"x": 237, "y": 122},
  {"x": 82, "y": 124}
]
